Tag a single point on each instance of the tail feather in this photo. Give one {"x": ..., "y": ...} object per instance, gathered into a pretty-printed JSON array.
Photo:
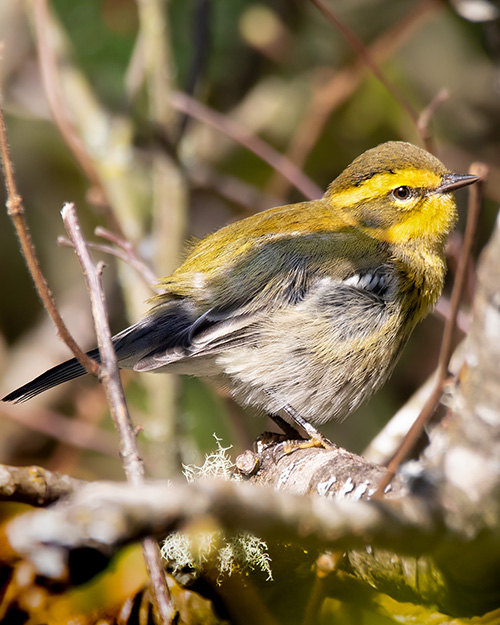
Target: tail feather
[
  {"x": 166, "y": 327},
  {"x": 68, "y": 370}
]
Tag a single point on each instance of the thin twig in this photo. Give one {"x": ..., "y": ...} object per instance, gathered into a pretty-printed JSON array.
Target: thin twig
[
  {"x": 330, "y": 96},
  {"x": 237, "y": 191},
  {"x": 107, "y": 138},
  {"x": 443, "y": 310},
  {"x": 475, "y": 196},
  {"x": 414, "y": 433},
  {"x": 367, "y": 58},
  {"x": 128, "y": 249},
  {"x": 108, "y": 373},
  {"x": 424, "y": 119},
  {"x": 52, "y": 88},
  {"x": 15, "y": 210},
  {"x": 110, "y": 377},
  {"x": 263, "y": 150},
  {"x": 142, "y": 269}
]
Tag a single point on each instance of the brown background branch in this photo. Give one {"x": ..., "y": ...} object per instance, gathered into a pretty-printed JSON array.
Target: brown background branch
[
  {"x": 414, "y": 433},
  {"x": 15, "y": 210}
]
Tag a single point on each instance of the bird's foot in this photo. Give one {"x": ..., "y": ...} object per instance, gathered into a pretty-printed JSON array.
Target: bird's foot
[
  {"x": 314, "y": 441},
  {"x": 315, "y": 438}
]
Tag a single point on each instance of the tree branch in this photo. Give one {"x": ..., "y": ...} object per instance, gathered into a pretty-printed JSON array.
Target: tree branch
[
  {"x": 413, "y": 434},
  {"x": 279, "y": 162},
  {"x": 327, "y": 98},
  {"x": 15, "y": 210},
  {"x": 106, "y": 516},
  {"x": 110, "y": 377},
  {"x": 34, "y": 485}
]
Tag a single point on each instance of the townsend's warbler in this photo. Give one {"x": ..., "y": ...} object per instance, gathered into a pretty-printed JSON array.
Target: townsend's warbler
[{"x": 303, "y": 310}]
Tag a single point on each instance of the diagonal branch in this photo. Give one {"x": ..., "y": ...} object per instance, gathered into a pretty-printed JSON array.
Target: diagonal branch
[
  {"x": 52, "y": 86},
  {"x": 110, "y": 377},
  {"x": 190, "y": 106},
  {"x": 15, "y": 210},
  {"x": 366, "y": 57},
  {"x": 327, "y": 98},
  {"x": 414, "y": 433}
]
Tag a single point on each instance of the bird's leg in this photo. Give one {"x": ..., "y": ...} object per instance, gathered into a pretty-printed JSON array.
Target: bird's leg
[
  {"x": 285, "y": 427},
  {"x": 316, "y": 439}
]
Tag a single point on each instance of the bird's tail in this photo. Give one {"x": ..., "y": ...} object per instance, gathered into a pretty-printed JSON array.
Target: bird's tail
[
  {"x": 164, "y": 327},
  {"x": 68, "y": 370}
]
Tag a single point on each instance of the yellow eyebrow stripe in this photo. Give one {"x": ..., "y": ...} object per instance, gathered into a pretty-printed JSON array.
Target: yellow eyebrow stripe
[{"x": 382, "y": 183}]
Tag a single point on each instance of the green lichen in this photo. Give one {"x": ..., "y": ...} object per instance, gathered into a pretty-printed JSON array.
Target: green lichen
[{"x": 193, "y": 551}]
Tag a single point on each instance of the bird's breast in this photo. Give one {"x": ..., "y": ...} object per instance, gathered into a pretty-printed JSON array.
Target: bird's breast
[{"x": 324, "y": 355}]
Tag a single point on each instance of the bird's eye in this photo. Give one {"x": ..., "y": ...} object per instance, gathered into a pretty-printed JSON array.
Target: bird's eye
[{"x": 402, "y": 193}]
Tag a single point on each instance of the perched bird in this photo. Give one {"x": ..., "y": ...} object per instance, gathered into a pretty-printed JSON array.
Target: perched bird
[{"x": 302, "y": 310}]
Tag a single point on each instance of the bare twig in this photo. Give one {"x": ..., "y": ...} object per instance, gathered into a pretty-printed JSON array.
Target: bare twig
[
  {"x": 110, "y": 377},
  {"x": 106, "y": 138},
  {"x": 237, "y": 191},
  {"x": 52, "y": 86},
  {"x": 15, "y": 210},
  {"x": 382, "y": 447},
  {"x": 108, "y": 373},
  {"x": 367, "y": 58},
  {"x": 429, "y": 407},
  {"x": 48, "y": 66},
  {"x": 443, "y": 309},
  {"x": 73, "y": 432},
  {"x": 133, "y": 259},
  {"x": 123, "y": 251},
  {"x": 263, "y": 150},
  {"x": 424, "y": 119},
  {"x": 330, "y": 96},
  {"x": 475, "y": 196}
]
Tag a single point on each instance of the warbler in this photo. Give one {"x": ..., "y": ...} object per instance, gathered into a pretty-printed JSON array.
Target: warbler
[{"x": 302, "y": 310}]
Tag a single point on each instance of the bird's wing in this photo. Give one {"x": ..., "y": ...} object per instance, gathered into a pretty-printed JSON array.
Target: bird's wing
[
  {"x": 232, "y": 303},
  {"x": 209, "y": 334},
  {"x": 271, "y": 276}
]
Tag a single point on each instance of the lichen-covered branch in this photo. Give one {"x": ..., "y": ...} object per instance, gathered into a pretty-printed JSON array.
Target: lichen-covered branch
[
  {"x": 105, "y": 516},
  {"x": 335, "y": 473}
]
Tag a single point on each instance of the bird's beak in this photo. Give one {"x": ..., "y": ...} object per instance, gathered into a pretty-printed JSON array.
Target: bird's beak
[{"x": 452, "y": 182}]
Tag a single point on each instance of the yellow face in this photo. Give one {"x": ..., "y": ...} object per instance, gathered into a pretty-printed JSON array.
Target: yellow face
[
  {"x": 398, "y": 205},
  {"x": 397, "y": 192}
]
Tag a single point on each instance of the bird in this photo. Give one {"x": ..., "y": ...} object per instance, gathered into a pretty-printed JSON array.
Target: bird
[{"x": 302, "y": 311}]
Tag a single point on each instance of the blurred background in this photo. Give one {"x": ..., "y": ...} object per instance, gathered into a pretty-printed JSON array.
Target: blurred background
[
  {"x": 157, "y": 120},
  {"x": 91, "y": 95}
]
